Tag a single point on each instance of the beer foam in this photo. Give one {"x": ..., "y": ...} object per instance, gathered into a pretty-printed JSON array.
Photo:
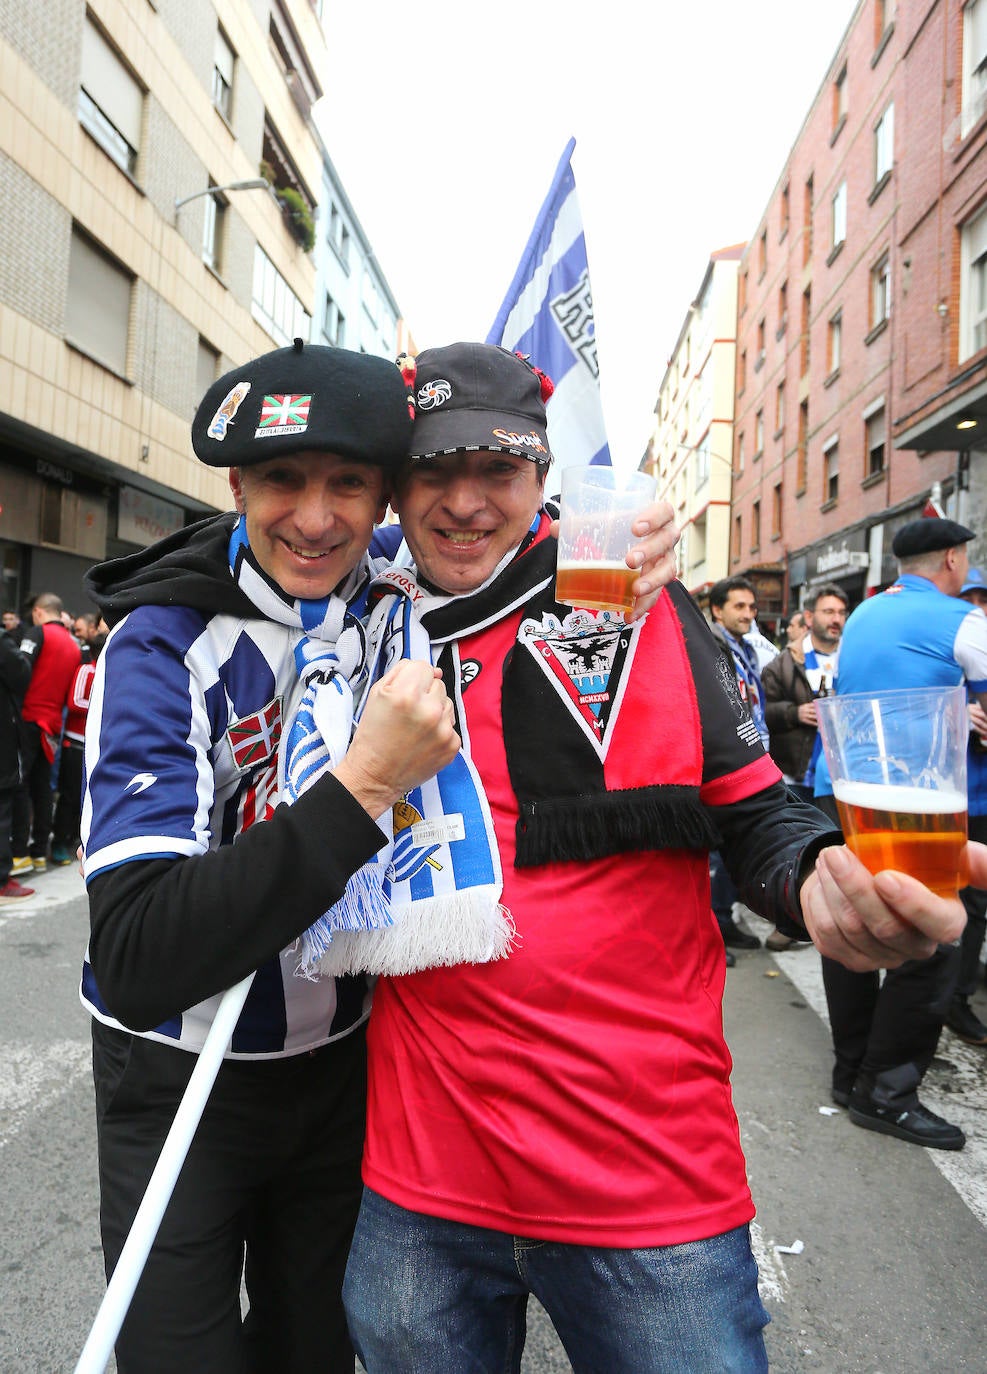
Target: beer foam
[{"x": 915, "y": 801}]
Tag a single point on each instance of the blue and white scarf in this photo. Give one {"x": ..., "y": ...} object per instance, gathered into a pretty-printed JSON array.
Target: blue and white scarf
[{"x": 440, "y": 872}]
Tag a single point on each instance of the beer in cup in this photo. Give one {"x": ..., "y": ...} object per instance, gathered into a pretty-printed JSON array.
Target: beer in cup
[
  {"x": 599, "y": 505},
  {"x": 898, "y": 765}
]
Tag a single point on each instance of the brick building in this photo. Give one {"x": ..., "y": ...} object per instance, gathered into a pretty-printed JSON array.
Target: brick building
[
  {"x": 689, "y": 450},
  {"x": 851, "y": 297},
  {"x": 160, "y": 179}
]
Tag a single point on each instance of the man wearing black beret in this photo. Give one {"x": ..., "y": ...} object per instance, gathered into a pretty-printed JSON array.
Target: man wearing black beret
[
  {"x": 219, "y": 634},
  {"x": 917, "y": 633}
]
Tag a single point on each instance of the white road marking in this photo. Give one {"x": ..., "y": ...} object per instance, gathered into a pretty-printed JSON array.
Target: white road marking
[
  {"x": 955, "y": 1086},
  {"x": 31, "y": 1079}
]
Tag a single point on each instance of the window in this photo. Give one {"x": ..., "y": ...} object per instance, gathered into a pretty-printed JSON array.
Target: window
[
  {"x": 762, "y": 254},
  {"x": 759, "y": 361},
  {"x": 802, "y": 465},
  {"x": 702, "y": 462},
  {"x": 274, "y": 305},
  {"x": 808, "y": 206},
  {"x": 973, "y": 286},
  {"x": 883, "y": 19},
  {"x": 334, "y": 323},
  {"x": 97, "y": 307},
  {"x": 874, "y": 439},
  {"x": 739, "y": 465},
  {"x": 737, "y": 537},
  {"x": 831, "y": 470},
  {"x": 742, "y": 292},
  {"x": 759, "y": 434},
  {"x": 755, "y": 526},
  {"x": 214, "y": 220},
  {"x": 805, "y": 351},
  {"x": 880, "y": 291},
  {"x": 782, "y": 309},
  {"x": 206, "y": 367},
  {"x": 111, "y": 104},
  {"x": 785, "y": 210},
  {"x": 742, "y": 372},
  {"x": 222, "y": 76},
  {"x": 776, "y": 512},
  {"x": 884, "y": 144},
  {"x": 839, "y": 216},
  {"x": 834, "y": 340},
  {"x": 974, "y": 64},
  {"x": 779, "y": 408},
  {"x": 339, "y": 235},
  {"x": 839, "y": 101}
]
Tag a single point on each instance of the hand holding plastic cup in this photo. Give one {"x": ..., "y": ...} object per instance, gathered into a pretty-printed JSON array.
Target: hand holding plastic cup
[
  {"x": 599, "y": 505},
  {"x": 898, "y": 764}
]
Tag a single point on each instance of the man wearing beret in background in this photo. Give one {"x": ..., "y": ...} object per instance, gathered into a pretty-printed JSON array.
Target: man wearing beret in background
[
  {"x": 226, "y": 688},
  {"x": 218, "y": 634},
  {"x": 916, "y": 633}
]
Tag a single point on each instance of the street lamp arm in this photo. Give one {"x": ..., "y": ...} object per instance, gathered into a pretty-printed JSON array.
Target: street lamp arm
[{"x": 254, "y": 184}]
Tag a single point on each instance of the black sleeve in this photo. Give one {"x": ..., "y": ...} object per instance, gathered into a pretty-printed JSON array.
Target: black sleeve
[
  {"x": 168, "y": 933},
  {"x": 30, "y": 643},
  {"x": 15, "y": 670},
  {"x": 769, "y": 843}
]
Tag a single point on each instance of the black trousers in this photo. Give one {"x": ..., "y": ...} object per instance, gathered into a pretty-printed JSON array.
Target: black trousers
[
  {"x": 68, "y": 807},
  {"x": 974, "y": 900},
  {"x": 880, "y": 1025},
  {"x": 271, "y": 1189},
  {"x": 33, "y": 799}
]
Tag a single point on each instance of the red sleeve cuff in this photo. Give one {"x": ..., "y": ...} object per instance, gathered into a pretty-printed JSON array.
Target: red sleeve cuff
[{"x": 754, "y": 777}]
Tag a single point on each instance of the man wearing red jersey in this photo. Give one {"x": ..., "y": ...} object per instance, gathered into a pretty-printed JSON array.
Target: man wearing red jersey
[{"x": 559, "y": 1122}]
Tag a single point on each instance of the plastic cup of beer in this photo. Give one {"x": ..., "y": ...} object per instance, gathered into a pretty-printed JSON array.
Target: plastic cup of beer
[
  {"x": 898, "y": 765},
  {"x": 599, "y": 505}
]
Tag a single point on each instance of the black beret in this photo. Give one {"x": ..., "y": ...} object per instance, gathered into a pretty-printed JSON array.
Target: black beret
[
  {"x": 927, "y": 535},
  {"x": 305, "y": 397}
]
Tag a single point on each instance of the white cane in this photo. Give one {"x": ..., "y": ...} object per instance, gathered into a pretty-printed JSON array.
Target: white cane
[{"x": 133, "y": 1256}]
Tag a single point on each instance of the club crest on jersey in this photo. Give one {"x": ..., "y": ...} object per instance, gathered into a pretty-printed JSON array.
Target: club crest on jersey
[
  {"x": 587, "y": 658},
  {"x": 254, "y": 739}
]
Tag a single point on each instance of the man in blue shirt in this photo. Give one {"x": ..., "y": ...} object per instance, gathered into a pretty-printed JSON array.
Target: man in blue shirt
[{"x": 917, "y": 633}]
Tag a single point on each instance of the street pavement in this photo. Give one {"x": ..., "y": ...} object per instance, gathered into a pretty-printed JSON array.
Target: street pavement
[{"x": 871, "y": 1251}]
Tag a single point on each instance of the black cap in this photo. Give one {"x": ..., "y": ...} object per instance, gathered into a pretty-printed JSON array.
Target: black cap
[
  {"x": 478, "y": 396},
  {"x": 928, "y": 535},
  {"x": 308, "y": 396}
]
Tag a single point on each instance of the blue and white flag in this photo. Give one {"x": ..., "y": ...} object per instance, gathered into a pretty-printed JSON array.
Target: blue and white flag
[{"x": 548, "y": 315}]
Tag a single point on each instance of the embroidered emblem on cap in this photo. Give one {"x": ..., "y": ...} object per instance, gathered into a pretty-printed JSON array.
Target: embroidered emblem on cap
[
  {"x": 283, "y": 415},
  {"x": 509, "y": 439},
  {"x": 433, "y": 394},
  {"x": 223, "y": 418}
]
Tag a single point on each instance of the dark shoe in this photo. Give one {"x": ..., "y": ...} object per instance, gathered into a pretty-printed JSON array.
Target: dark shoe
[
  {"x": 735, "y": 938},
  {"x": 731, "y": 960},
  {"x": 841, "y": 1096},
  {"x": 964, "y": 1022},
  {"x": 776, "y": 941},
  {"x": 60, "y": 857},
  {"x": 915, "y": 1123}
]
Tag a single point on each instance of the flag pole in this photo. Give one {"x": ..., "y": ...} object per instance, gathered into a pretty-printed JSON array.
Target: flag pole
[{"x": 129, "y": 1267}]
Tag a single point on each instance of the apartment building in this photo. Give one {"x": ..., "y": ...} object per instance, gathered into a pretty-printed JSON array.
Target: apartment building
[
  {"x": 854, "y": 311},
  {"x": 160, "y": 182},
  {"x": 689, "y": 449}
]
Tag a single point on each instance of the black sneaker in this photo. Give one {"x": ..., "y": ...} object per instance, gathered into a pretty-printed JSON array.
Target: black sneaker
[
  {"x": 916, "y": 1123},
  {"x": 964, "y": 1022},
  {"x": 735, "y": 938}
]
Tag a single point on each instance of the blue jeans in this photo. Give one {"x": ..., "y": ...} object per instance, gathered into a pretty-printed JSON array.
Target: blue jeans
[{"x": 428, "y": 1296}]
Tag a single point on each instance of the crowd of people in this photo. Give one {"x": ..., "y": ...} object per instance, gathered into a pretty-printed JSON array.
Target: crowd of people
[
  {"x": 926, "y": 630},
  {"x": 47, "y": 667}
]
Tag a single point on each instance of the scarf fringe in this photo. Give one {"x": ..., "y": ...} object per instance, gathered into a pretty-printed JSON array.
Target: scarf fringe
[
  {"x": 470, "y": 927},
  {"x": 362, "y": 907},
  {"x": 574, "y": 829}
]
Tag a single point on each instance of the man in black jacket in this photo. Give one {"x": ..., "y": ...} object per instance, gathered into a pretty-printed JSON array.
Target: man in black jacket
[{"x": 15, "y": 674}]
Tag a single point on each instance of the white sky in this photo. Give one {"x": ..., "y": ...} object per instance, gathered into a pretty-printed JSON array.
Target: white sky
[{"x": 446, "y": 121}]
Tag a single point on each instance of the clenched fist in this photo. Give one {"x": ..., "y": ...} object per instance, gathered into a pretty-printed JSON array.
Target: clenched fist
[{"x": 405, "y": 735}]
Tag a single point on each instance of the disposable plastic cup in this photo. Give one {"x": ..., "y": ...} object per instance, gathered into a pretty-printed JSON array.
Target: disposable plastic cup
[
  {"x": 599, "y": 505},
  {"x": 897, "y": 760}
]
